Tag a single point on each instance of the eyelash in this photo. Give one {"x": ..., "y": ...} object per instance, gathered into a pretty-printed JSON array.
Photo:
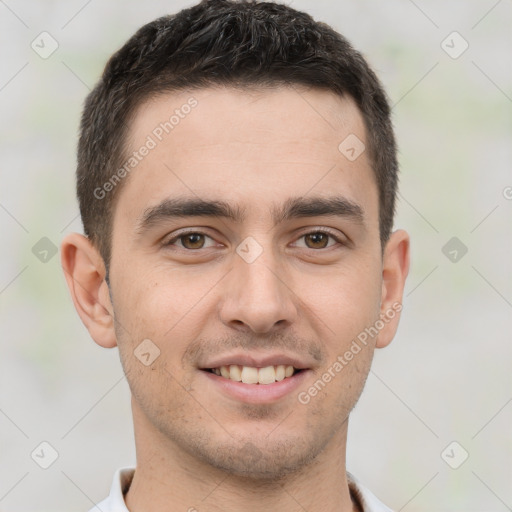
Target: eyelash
[{"x": 324, "y": 231}]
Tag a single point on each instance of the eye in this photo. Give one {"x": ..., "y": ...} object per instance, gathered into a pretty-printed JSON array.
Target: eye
[
  {"x": 193, "y": 240},
  {"x": 196, "y": 240},
  {"x": 319, "y": 239}
]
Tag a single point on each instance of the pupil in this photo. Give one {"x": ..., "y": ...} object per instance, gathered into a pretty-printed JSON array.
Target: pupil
[
  {"x": 194, "y": 238},
  {"x": 317, "y": 237}
]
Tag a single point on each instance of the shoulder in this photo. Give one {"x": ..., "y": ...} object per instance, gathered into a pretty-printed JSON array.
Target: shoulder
[
  {"x": 366, "y": 499},
  {"x": 114, "y": 502}
]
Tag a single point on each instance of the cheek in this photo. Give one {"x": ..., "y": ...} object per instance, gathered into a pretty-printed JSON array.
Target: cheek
[
  {"x": 150, "y": 302},
  {"x": 165, "y": 306},
  {"x": 153, "y": 329},
  {"x": 348, "y": 301}
]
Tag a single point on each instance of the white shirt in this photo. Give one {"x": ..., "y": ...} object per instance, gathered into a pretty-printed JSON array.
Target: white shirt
[{"x": 123, "y": 479}]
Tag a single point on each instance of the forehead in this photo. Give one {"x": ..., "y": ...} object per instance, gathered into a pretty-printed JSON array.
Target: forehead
[
  {"x": 312, "y": 118},
  {"x": 257, "y": 147}
]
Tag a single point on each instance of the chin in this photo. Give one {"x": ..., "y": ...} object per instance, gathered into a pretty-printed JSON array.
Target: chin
[{"x": 260, "y": 459}]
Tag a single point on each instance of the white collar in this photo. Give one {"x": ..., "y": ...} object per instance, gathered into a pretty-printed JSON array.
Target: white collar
[{"x": 123, "y": 478}]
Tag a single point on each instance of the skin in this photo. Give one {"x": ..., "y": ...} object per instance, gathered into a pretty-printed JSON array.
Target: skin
[{"x": 198, "y": 299}]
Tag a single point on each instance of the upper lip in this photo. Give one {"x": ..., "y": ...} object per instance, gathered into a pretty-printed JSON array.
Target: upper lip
[{"x": 256, "y": 361}]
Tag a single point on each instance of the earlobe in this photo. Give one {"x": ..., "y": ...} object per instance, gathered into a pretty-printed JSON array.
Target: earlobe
[
  {"x": 395, "y": 268},
  {"x": 84, "y": 271}
]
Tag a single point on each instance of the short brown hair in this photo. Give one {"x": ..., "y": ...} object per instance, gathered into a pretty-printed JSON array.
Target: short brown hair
[{"x": 223, "y": 42}]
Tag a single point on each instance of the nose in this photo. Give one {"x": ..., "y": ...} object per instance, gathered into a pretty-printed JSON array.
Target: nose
[{"x": 258, "y": 296}]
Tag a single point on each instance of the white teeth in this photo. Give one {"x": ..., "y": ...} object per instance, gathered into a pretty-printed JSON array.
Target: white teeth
[
  {"x": 249, "y": 375},
  {"x": 235, "y": 373},
  {"x": 266, "y": 375},
  {"x": 252, "y": 375},
  {"x": 280, "y": 372}
]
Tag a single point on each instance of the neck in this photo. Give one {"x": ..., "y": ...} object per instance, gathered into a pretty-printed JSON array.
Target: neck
[{"x": 165, "y": 474}]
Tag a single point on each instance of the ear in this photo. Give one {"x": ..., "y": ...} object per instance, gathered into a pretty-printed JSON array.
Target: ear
[
  {"x": 85, "y": 272},
  {"x": 395, "y": 267}
]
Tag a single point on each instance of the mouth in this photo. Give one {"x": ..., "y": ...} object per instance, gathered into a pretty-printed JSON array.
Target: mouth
[
  {"x": 254, "y": 375},
  {"x": 256, "y": 384}
]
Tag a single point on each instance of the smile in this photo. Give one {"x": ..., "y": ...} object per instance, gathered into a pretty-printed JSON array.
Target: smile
[{"x": 253, "y": 375}]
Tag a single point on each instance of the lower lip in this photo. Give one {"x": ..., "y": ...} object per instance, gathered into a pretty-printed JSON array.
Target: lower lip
[{"x": 257, "y": 393}]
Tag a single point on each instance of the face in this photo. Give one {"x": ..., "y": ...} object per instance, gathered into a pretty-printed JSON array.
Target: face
[{"x": 246, "y": 246}]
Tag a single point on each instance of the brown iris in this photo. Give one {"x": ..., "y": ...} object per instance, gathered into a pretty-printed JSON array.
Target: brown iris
[
  {"x": 196, "y": 240},
  {"x": 321, "y": 238}
]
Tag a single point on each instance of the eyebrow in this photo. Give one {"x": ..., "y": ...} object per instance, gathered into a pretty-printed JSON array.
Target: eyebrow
[{"x": 293, "y": 208}]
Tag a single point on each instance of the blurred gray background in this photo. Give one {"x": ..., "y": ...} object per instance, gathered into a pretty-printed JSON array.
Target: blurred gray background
[{"x": 432, "y": 431}]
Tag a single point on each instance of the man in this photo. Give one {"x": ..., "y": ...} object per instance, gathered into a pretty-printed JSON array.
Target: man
[{"x": 236, "y": 177}]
